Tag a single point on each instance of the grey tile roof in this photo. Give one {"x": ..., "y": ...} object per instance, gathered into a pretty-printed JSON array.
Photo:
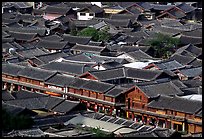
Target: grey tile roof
[
  {"x": 99, "y": 25},
  {"x": 142, "y": 74},
  {"x": 57, "y": 10},
  {"x": 115, "y": 92},
  {"x": 7, "y": 46},
  {"x": 79, "y": 57},
  {"x": 94, "y": 115},
  {"x": 54, "y": 37},
  {"x": 186, "y": 7},
  {"x": 138, "y": 134},
  {"x": 88, "y": 48},
  {"x": 178, "y": 14},
  {"x": 53, "y": 120},
  {"x": 181, "y": 58},
  {"x": 30, "y": 103},
  {"x": 133, "y": 18},
  {"x": 21, "y": 5},
  {"x": 12, "y": 109},
  {"x": 4, "y": 34},
  {"x": 33, "y": 132},
  {"x": 126, "y": 48},
  {"x": 78, "y": 4},
  {"x": 39, "y": 31},
  {"x": 78, "y": 82},
  {"x": 166, "y": 30},
  {"x": 191, "y": 72},
  {"x": 23, "y": 36},
  {"x": 118, "y": 22},
  {"x": 133, "y": 10},
  {"x": 60, "y": 80},
  {"x": 109, "y": 74},
  {"x": 199, "y": 113},
  {"x": 66, "y": 67},
  {"x": 196, "y": 63},
  {"x": 185, "y": 40},
  {"x": 22, "y": 94},
  {"x": 95, "y": 43},
  {"x": 46, "y": 58},
  {"x": 84, "y": 23},
  {"x": 193, "y": 33},
  {"x": 8, "y": 22},
  {"x": 66, "y": 106},
  {"x": 166, "y": 88},
  {"x": 51, "y": 45},
  {"x": 145, "y": 5},
  {"x": 160, "y": 7},
  {"x": 196, "y": 51},
  {"x": 178, "y": 83},
  {"x": 177, "y": 104},
  {"x": 36, "y": 73},
  {"x": 51, "y": 101},
  {"x": 97, "y": 86},
  {"x": 29, "y": 53},
  {"x": 192, "y": 91},
  {"x": 139, "y": 55},
  {"x": 6, "y": 96},
  {"x": 192, "y": 83},
  {"x": 76, "y": 39},
  {"x": 169, "y": 65},
  {"x": 111, "y": 64},
  {"x": 11, "y": 69}
]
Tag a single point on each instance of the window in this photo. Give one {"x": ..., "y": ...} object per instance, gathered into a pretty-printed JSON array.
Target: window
[
  {"x": 82, "y": 14},
  {"x": 140, "y": 97},
  {"x": 91, "y": 14},
  {"x": 132, "y": 104}
]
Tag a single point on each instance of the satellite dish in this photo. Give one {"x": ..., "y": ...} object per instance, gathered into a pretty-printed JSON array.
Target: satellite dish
[{"x": 12, "y": 50}]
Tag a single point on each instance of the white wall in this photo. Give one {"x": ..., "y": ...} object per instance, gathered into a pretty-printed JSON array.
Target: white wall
[
  {"x": 86, "y": 17},
  {"x": 97, "y": 3}
]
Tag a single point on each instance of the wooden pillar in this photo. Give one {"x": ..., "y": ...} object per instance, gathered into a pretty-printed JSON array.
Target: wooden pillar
[
  {"x": 11, "y": 87},
  {"x": 148, "y": 120},
  {"x": 87, "y": 104},
  {"x": 19, "y": 87},
  {"x": 183, "y": 126},
  {"x": 172, "y": 125},
  {"x": 95, "y": 108},
  {"x": 127, "y": 114},
  {"x": 133, "y": 116}
]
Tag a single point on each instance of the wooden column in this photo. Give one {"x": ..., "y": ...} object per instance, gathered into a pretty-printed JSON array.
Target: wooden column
[
  {"x": 95, "y": 108},
  {"x": 183, "y": 126},
  {"x": 148, "y": 120},
  {"x": 133, "y": 116},
  {"x": 19, "y": 87}
]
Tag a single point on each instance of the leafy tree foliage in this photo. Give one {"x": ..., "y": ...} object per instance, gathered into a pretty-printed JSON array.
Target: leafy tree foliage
[
  {"x": 164, "y": 45},
  {"x": 99, "y": 133},
  {"x": 96, "y": 35}
]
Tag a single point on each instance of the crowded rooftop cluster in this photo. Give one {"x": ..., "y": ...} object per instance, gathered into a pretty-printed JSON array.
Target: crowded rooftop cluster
[{"x": 91, "y": 69}]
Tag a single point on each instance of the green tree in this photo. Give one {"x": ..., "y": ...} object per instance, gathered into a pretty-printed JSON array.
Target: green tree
[
  {"x": 164, "y": 45},
  {"x": 96, "y": 35},
  {"x": 103, "y": 36},
  {"x": 89, "y": 32},
  {"x": 73, "y": 32},
  {"x": 99, "y": 133}
]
